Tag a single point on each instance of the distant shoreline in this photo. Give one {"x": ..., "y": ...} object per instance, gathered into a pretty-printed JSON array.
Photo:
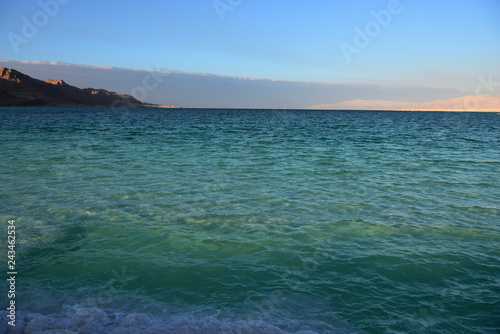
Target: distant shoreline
[
  {"x": 20, "y": 90},
  {"x": 152, "y": 106}
]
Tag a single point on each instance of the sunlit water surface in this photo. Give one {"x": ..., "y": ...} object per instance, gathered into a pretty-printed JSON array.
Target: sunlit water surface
[{"x": 329, "y": 221}]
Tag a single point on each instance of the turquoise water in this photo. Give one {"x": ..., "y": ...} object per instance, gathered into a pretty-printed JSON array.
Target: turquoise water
[{"x": 329, "y": 221}]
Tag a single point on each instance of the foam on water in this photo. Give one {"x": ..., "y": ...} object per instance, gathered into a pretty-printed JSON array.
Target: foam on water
[
  {"x": 91, "y": 320},
  {"x": 262, "y": 316},
  {"x": 106, "y": 310}
]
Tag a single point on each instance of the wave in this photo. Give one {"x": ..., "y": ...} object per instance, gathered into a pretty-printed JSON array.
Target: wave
[{"x": 91, "y": 320}]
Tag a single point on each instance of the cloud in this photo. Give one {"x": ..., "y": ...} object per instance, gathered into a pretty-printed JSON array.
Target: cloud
[
  {"x": 204, "y": 90},
  {"x": 465, "y": 103}
]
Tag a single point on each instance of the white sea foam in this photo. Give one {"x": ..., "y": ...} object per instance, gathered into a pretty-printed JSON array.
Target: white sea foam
[{"x": 91, "y": 320}]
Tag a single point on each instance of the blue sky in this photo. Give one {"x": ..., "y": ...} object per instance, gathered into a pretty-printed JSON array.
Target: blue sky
[{"x": 444, "y": 45}]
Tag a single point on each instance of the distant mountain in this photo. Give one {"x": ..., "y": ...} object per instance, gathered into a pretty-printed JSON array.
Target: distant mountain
[
  {"x": 466, "y": 103},
  {"x": 18, "y": 89}
]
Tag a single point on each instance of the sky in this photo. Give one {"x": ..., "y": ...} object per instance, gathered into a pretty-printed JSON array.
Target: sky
[{"x": 302, "y": 52}]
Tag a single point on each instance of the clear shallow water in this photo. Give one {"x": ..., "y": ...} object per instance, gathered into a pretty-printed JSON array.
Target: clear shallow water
[{"x": 378, "y": 222}]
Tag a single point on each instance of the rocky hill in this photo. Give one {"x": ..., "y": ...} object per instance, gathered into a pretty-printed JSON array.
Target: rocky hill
[{"x": 18, "y": 89}]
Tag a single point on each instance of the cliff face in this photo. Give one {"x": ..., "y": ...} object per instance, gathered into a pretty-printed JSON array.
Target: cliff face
[{"x": 18, "y": 89}]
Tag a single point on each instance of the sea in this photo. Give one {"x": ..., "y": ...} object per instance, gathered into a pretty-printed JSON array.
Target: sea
[{"x": 249, "y": 221}]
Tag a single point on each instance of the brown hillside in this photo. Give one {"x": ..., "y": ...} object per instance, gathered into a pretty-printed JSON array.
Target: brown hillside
[{"x": 18, "y": 89}]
